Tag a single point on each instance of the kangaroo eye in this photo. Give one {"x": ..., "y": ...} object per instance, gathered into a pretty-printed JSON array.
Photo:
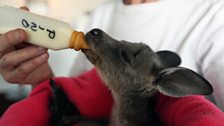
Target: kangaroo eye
[{"x": 125, "y": 57}]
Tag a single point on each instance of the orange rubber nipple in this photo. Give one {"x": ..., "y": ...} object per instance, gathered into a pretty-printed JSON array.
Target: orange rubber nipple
[{"x": 77, "y": 41}]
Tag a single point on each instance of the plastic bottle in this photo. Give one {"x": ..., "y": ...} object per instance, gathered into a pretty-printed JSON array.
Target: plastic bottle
[{"x": 42, "y": 31}]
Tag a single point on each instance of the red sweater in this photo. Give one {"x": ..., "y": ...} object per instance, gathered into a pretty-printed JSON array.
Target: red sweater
[{"x": 93, "y": 99}]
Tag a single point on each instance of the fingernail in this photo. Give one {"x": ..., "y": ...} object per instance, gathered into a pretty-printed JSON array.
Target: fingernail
[
  {"x": 43, "y": 57},
  {"x": 42, "y": 50},
  {"x": 17, "y": 34}
]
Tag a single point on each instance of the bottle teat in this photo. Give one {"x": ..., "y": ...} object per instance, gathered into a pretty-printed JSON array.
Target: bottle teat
[{"x": 77, "y": 41}]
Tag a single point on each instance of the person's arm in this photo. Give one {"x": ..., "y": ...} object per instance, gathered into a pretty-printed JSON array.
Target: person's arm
[
  {"x": 188, "y": 111},
  {"x": 87, "y": 92}
]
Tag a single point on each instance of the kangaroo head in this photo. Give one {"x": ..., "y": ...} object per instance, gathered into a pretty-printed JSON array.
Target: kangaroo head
[{"x": 128, "y": 67}]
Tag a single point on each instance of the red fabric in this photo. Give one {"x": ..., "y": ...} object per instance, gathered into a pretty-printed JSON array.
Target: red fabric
[
  {"x": 188, "y": 111},
  {"x": 93, "y": 99}
]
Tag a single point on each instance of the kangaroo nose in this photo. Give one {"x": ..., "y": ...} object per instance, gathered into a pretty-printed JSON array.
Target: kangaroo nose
[{"x": 95, "y": 32}]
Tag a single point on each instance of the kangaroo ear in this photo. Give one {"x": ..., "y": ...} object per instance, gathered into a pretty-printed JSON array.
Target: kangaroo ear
[
  {"x": 178, "y": 81},
  {"x": 169, "y": 59}
]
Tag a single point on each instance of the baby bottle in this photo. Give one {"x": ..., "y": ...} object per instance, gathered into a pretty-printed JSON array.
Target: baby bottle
[{"x": 42, "y": 31}]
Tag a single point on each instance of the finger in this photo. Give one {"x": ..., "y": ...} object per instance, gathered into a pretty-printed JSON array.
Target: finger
[
  {"x": 11, "y": 38},
  {"x": 22, "y": 45},
  {"x": 40, "y": 74},
  {"x": 13, "y": 59},
  {"x": 25, "y": 8},
  {"x": 24, "y": 70},
  {"x": 6, "y": 51}
]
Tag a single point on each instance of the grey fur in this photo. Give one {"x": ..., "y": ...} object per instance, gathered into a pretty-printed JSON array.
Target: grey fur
[{"x": 133, "y": 72}]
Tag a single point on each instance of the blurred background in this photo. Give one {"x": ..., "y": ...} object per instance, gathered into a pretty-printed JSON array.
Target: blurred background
[{"x": 75, "y": 12}]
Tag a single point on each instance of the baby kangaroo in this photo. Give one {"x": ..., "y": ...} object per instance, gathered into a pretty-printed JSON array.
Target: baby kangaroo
[{"x": 134, "y": 73}]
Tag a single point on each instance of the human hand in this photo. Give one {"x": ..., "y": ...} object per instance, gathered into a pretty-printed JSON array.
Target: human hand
[{"x": 21, "y": 62}]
